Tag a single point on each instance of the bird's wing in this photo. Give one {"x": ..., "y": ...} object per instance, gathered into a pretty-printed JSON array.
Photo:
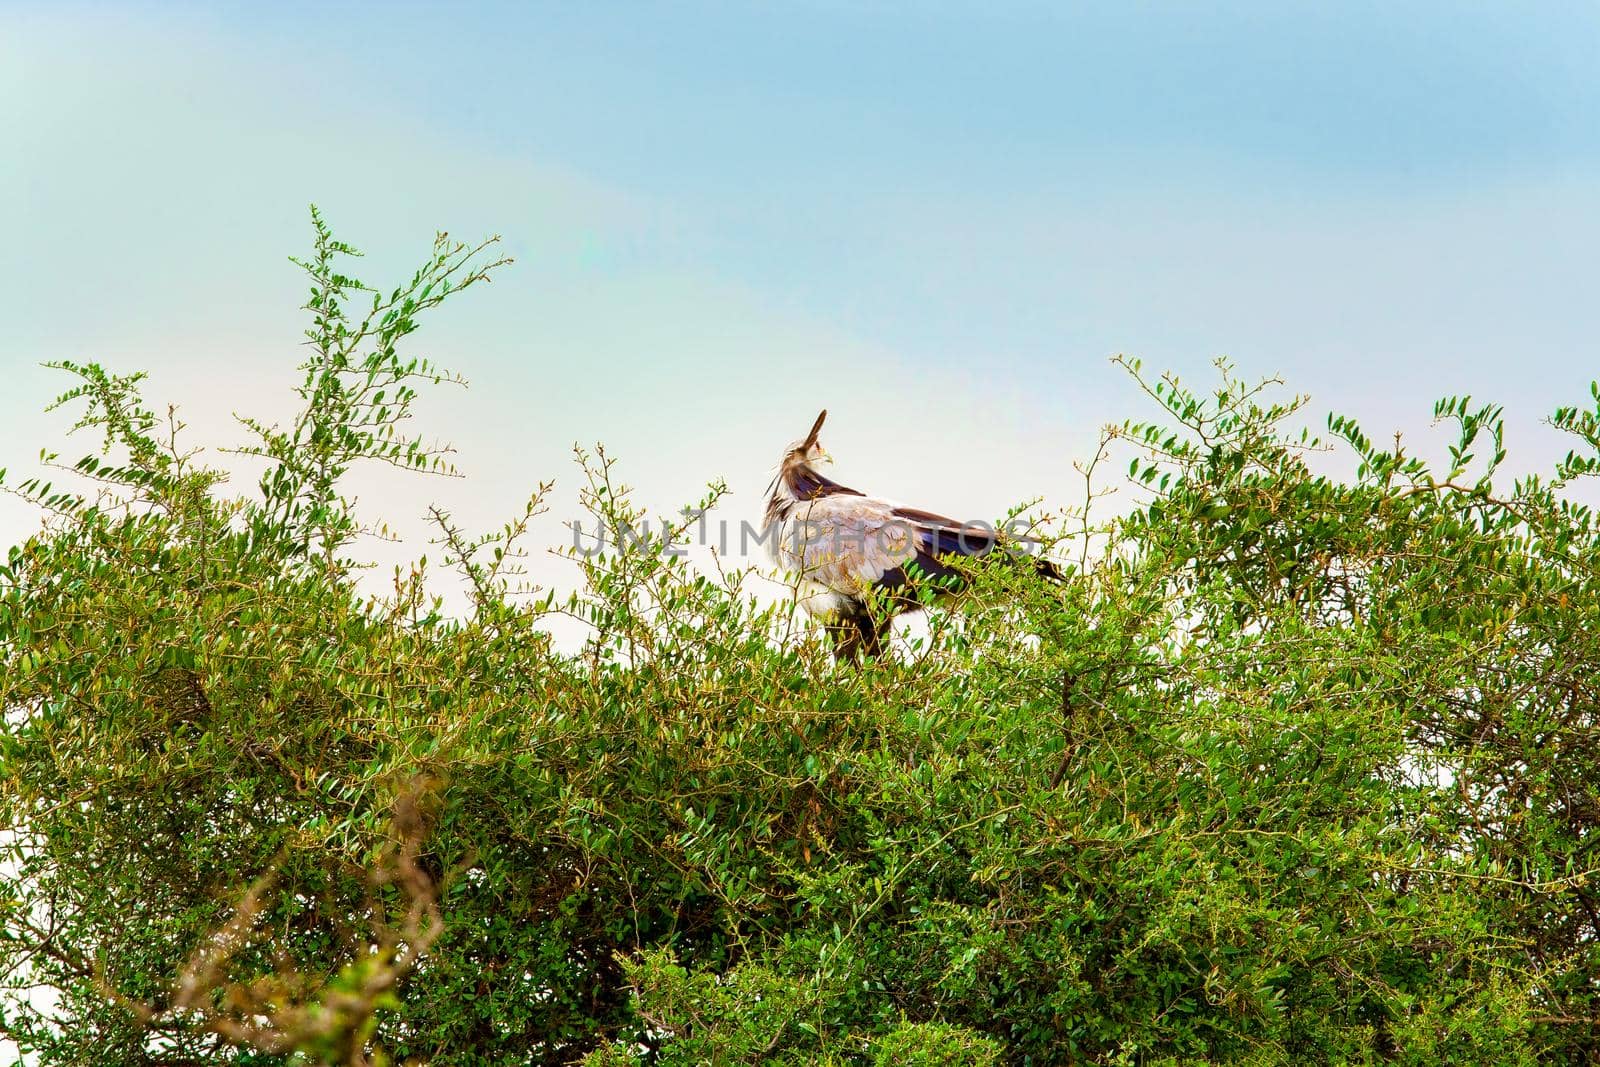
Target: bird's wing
[
  {"x": 846, "y": 543},
  {"x": 850, "y": 544},
  {"x": 939, "y": 535}
]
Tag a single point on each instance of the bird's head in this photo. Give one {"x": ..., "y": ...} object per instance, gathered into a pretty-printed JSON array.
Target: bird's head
[{"x": 808, "y": 450}]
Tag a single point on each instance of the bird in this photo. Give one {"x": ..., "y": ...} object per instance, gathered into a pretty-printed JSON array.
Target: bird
[{"x": 849, "y": 549}]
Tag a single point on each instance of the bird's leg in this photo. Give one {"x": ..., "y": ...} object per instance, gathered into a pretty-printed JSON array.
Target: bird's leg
[
  {"x": 855, "y": 631},
  {"x": 872, "y": 634},
  {"x": 846, "y": 637}
]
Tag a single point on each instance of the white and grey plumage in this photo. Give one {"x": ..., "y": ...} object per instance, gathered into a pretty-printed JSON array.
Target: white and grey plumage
[{"x": 846, "y": 546}]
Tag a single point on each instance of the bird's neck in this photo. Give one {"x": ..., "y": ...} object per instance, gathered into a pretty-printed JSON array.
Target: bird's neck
[
  {"x": 787, "y": 489},
  {"x": 801, "y": 481},
  {"x": 797, "y": 482}
]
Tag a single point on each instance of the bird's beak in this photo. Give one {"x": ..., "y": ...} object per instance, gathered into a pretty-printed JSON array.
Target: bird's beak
[{"x": 824, "y": 455}]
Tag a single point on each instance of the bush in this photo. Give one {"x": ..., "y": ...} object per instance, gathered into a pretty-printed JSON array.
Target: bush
[
  {"x": 935, "y": 1045},
  {"x": 1291, "y": 767}
]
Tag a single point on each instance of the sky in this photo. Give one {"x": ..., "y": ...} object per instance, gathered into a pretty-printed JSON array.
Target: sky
[{"x": 938, "y": 221}]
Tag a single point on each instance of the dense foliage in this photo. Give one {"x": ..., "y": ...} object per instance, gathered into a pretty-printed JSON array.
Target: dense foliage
[{"x": 1293, "y": 766}]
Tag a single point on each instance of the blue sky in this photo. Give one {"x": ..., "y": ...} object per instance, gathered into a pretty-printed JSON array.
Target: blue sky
[{"x": 939, "y": 221}]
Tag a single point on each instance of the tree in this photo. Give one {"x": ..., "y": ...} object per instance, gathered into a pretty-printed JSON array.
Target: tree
[{"x": 1292, "y": 766}]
